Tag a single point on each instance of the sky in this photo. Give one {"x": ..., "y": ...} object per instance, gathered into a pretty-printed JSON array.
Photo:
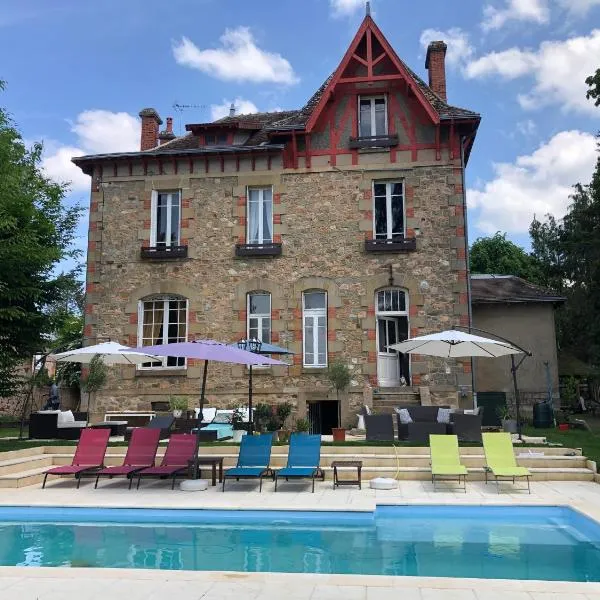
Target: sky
[{"x": 79, "y": 71}]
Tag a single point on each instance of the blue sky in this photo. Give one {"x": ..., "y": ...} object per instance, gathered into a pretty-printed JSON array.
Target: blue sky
[{"x": 78, "y": 73}]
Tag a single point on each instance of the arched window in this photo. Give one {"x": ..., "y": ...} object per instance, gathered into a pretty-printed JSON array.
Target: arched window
[
  {"x": 162, "y": 320},
  {"x": 259, "y": 316},
  {"x": 314, "y": 327}
]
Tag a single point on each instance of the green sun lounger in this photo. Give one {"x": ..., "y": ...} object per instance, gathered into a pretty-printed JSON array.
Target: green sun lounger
[
  {"x": 445, "y": 460},
  {"x": 500, "y": 459}
]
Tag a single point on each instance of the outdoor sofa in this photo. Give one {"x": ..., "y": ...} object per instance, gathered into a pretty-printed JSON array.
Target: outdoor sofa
[{"x": 56, "y": 425}]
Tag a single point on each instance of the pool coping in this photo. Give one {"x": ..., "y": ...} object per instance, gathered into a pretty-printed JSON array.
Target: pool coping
[{"x": 242, "y": 579}]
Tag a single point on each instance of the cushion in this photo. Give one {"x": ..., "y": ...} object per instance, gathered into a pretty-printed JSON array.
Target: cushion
[
  {"x": 423, "y": 414},
  {"x": 222, "y": 418},
  {"x": 71, "y": 425},
  {"x": 65, "y": 416},
  {"x": 404, "y": 416},
  {"x": 443, "y": 415}
]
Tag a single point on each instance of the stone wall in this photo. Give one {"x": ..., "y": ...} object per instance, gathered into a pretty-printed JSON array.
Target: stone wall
[{"x": 322, "y": 218}]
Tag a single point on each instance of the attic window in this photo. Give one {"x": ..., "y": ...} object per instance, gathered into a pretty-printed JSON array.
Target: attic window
[
  {"x": 211, "y": 139},
  {"x": 372, "y": 116}
]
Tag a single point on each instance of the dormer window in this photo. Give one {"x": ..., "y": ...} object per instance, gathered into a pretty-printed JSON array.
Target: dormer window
[
  {"x": 372, "y": 116},
  {"x": 211, "y": 139}
]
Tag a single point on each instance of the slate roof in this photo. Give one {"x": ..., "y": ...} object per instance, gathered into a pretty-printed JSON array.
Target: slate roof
[
  {"x": 493, "y": 289},
  {"x": 260, "y": 125}
]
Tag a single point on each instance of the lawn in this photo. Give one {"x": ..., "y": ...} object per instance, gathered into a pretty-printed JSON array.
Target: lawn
[
  {"x": 589, "y": 442},
  {"x": 9, "y": 432}
]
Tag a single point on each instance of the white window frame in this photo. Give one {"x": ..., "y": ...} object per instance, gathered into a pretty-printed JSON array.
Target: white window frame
[
  {"x": 372, "y": 101},
  {"x": 388, "y": 209},
  {"x": 140, "y": 332},
  {"x": 259, "y": 316},
  {"x": 261, "y": 200},
  {"x": 154, "y": 216},
  {"x": 314, "y": 313}
]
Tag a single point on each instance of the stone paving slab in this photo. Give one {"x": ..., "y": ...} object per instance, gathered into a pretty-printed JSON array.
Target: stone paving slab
[{"x": 35, "y": 583}]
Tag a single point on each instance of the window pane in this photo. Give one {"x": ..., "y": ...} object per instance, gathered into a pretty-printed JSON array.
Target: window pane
[
  {"x": 380, "y": 301},
  {"x": 314, "y": 300},
  {"x": 379, "y": 189},
  {"x": 382, "y": 333},
  {"x": 254, "y": 216},
  {"x": 309, "y": 357},
  {"x": 380, "y": 117},
  {"x": 267, "y": 213},
  {"x": 392, "y": 338},
  {"x": 397, "y": 215},
  {"x": 365, "y": 118},
  {"x": 380, "y": 218},
  {"x": 174, "y": 233},
  {"x": 260, "y": 304},
  {"x": 321, "y": 340},
  {"x": 265, "y": 335},
  {"x": 161, "y": 222},
  {"x": 397, "y": 189}
]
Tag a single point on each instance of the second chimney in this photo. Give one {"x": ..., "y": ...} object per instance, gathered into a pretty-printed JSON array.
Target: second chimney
[
  {"x": 167, "y": 134},
  {"x": 435, "y": 63},
  {"x": 150, "y": 124}
]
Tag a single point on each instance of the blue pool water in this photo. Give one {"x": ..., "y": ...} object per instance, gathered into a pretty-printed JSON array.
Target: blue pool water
[{"x": 548, "y": 543}]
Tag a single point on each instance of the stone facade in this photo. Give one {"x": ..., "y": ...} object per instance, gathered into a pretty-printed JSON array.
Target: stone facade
[{"x": 322, "y": 215}]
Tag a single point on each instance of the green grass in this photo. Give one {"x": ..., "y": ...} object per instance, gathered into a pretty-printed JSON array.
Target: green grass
[
  {"x": 589, "y": 442},
  {"x": 9, "y": 432}
]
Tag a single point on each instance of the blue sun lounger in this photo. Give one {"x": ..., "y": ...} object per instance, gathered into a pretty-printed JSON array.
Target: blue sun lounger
[
  {"x": 303, "y": 459},
  {"x": 253, "y": 460}
]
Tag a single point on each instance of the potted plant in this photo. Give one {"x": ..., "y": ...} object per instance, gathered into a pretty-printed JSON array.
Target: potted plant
[
  {"x": 339, "y": 375},
  {"x": 239, "y": 427},
  {"x": 178, "y": 404},
  {"x": 283, "y": 411},
  {"x": 302, "y": 425},
  {"x": 509, "y": 424},
  {"x": 263, "y": 415},
  {"x": 97, "y": 374}
]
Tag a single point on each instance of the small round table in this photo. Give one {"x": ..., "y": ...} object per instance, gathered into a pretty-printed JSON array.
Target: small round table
[{"x": 356, "y": 464}]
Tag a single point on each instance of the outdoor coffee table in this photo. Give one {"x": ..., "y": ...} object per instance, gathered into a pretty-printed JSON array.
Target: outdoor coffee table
[
  {"x": 357, "y": 464},
  {"x": 211, "y": 461}
]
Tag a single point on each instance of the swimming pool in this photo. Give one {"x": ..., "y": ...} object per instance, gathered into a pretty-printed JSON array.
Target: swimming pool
[{"x": 547, "y": 543}]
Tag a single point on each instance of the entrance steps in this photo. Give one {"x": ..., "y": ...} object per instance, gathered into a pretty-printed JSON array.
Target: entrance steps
[{"x": 26, "y": 467}]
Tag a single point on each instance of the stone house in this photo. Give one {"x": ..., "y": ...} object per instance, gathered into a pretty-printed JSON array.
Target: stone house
[
  {"x": 523, "y": 313},
  {"x": 333, "y": 230}
]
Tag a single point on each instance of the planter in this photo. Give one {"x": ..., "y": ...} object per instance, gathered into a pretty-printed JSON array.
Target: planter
[
  {"x": 238, "y": 434},
  {"x": 509, "y": 425},
  {"x": 339, "y": 434},
  {"x": 284, "y": 435},
  {"x": 563, "y": 427},
  {"x": 177, "y": 414}
]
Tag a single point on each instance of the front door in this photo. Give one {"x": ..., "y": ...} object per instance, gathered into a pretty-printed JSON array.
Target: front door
[{"x": 388, "y": 365}]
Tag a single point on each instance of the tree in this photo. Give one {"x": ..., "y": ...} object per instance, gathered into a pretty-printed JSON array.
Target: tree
[
  {"x": 593, "y": 82},
  {"x": 499, "y": 256},
  {"x": 36, "y": 235}
]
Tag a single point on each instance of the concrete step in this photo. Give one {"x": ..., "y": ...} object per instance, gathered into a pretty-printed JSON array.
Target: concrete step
[
  {"x": 18, "y": 464},
  {"x": 23, "y": 478}
]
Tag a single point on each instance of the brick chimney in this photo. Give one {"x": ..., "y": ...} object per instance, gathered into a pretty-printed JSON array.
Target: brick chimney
[
  {"x": 435, "y": 63},
  {"x": 150, "y": 124},
  {"x": 166, "y": 135}
]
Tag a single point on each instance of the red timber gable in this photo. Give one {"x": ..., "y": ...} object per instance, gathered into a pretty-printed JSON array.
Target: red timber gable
[
  {"x": 373, "y": 102},
  {"x": 370, "y": 60}
]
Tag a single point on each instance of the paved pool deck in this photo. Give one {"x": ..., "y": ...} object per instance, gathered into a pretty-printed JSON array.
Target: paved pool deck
[{"x": 20, "y": 583}]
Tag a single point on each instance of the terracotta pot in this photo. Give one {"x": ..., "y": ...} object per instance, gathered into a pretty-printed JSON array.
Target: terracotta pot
[
  {"x": 339, "y": 434},
  {"x": 564, "y": 427}
]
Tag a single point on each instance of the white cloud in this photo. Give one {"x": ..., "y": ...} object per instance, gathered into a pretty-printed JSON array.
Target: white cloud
[
  {"x": 242, "y": 107},
  {"x": 535, "y": 184},
  {"x": 346, "y": 7},
  {"x": 509, "y": 64},
  {"x": 578, "y": 7},
  {"x": 98, "y": 131},
  {"x": 459, "y": 50},
  {"x": 558, "y": 70},
  {"x": 536, "y": 11},
  {"x": 239, "y": 59},
  {"x": 527, "y": 127}
]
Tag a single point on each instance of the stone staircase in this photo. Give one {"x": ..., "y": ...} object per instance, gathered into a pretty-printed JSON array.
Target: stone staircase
[
  {"x": 386, "y": 399},
  {"x": 22, "y": 468}
]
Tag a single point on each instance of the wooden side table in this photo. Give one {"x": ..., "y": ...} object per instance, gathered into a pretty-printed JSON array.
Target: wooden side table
[
  {"x": 357, "y": 464},
  {"x": 212, "y": 462}
]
